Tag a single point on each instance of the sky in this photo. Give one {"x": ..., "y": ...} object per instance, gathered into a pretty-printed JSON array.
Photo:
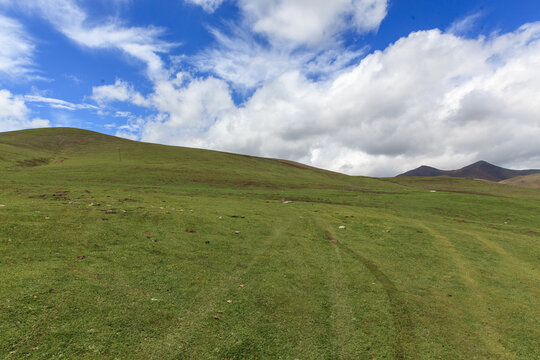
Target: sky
[{"x": 363, "y": 87}]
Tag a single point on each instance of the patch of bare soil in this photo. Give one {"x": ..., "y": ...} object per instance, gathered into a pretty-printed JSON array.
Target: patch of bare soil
[
  {"x": 330, "y": 237},
  {"x": 33, "y": 162}
]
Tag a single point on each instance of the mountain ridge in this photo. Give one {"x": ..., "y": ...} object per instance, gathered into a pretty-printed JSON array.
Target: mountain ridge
[{"x": 481, "y": 170}]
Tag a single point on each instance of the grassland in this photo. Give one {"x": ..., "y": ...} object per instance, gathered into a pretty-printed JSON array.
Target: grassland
[
  {"x": 530, "y": 181},
  {"x": 112, "y": 249}
]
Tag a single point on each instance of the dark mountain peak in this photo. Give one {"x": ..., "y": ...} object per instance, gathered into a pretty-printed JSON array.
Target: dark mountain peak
[
  {"x": 481, "y": 164},
  {"x": 478, "y": 170},
  {"x": 423, "y": 170}
]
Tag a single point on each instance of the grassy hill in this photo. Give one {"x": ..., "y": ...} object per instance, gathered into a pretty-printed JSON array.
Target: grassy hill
[
  {"x": 530, "y": 181},
  {"x": 117, "y": 249}
]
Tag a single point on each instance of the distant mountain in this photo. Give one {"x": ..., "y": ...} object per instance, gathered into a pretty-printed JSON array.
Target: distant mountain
[{"x": 479, "y": 170}]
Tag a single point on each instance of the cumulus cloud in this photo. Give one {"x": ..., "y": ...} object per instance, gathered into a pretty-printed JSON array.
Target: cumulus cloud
[
  {"x": 188, "y": 111},
  {"x": 17, "y": 49},
  {"x": 119, "y": 91},
  {"x": 320, "y": 20},
  {"x": 15, "y": 115},
  {"x": 431, "y": 97}
]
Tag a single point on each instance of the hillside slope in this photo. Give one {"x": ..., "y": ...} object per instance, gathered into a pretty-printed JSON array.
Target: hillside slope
[
  {"x": 63, "y": 152},
  {"x": 479, "y": 170},
  {"x": 528, "y": 181},
  {"x": 112, "y": 248}
]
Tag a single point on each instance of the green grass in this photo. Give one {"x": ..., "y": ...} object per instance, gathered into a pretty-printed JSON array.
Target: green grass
[
  {"x": 451, "y": 274},
  {"x": 530, "y": 181}
]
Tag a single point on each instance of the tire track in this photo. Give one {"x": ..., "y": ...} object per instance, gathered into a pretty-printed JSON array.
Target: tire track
[
  {"x": 490, "y": 335},
  {"x": 400, "y": 313},
  {"x": 222, "y": 291}
]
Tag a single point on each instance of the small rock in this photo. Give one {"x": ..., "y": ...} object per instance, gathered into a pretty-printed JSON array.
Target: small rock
[
  {"x": 81, "y": 257},
  {"x": 47, "y": 218},
  {"x": 229, "y": 301},
  {"x": 216, "y": 317},
  {"x": 342, "y": 227},
  {"x": 433, "y": 191},
  {"x": 221, "y": 217},
  {"x": 241, "y": 286},
  {"x": 237, "y": 232}
]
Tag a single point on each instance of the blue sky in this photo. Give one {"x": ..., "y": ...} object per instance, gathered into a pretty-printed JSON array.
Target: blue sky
[{"x": 371, "y": 87}]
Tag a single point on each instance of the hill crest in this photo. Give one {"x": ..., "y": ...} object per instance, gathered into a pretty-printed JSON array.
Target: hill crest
[{"x": 63, "y": 152}]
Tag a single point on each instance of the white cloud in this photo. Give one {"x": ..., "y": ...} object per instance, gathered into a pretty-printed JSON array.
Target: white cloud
[
  {"x": 73, "y": 78},
  {"x": 311, "y": 21},
  {"x": 246, "y": 64},
  {"x": 14, "y": 114},
  {"x": 142, "y": 43},
  {"x": 119, "y": 91},
  {"x": 305, "y": 21},
  {"x": 208, "y": 5},
  {"x": 187, "y": 111},
  {"x": 431, "y": 97},
  {"x": 464, "y": 25},
  {"x": 17, "y": 49},
  {"x": 369, "y": 14},
  {"x": 59, "y": 104}
]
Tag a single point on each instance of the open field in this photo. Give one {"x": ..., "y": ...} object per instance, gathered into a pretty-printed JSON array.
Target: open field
[{"x": 116, "y": 249}]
